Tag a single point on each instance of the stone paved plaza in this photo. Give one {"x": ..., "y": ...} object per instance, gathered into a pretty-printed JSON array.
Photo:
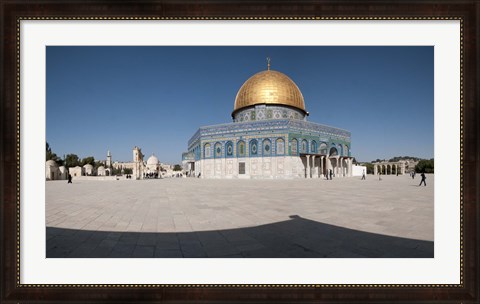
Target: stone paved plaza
[{"x": 188, "y": 217}]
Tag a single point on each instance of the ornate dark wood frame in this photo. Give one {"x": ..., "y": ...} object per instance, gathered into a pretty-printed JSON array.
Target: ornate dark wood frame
[{"x": 13, "y": 11}]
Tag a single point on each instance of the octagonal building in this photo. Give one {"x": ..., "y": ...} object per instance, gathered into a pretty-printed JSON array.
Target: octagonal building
[{"x": 269, "y": 137}]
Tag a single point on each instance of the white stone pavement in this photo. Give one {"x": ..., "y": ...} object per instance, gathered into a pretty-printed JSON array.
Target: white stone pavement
[{"x": 179, "y": 217}]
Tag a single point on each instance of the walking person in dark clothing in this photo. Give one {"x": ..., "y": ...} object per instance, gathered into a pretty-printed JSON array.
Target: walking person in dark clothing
[
  {"x": 69, "y": 179},
  {"x": 331, "y": 174},
  {"x": 423, "y": 179}
]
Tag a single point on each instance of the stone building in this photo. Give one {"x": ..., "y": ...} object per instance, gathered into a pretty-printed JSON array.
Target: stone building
[
  {"x": 269, "y": 137},
  {"x": 153, "y": 165},
  {"x": 54, "y": 172},
  {"x": 88, "y": 170},
  {"x": 76, "y": 171}
]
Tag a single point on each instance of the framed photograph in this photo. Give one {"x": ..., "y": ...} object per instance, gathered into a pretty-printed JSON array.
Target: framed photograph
[{"x": 239, "y": 152}]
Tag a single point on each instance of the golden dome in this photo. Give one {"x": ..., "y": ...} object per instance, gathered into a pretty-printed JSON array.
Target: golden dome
[{"x": 269, "y": 87}]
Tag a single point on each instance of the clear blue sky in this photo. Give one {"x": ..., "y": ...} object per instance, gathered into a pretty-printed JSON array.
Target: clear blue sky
[{"x": 115, "y": 98}]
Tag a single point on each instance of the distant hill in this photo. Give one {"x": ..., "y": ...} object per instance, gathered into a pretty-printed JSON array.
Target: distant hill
[{"x": 399, "y": 158}]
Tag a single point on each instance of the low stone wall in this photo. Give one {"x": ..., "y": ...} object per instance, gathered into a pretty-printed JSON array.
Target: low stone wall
[
  {"x": 98, "y": 178},
  {"x": 358, "y": 170}
]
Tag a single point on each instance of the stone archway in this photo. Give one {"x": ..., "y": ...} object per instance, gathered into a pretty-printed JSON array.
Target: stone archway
[{"x": 387, "y": 168}]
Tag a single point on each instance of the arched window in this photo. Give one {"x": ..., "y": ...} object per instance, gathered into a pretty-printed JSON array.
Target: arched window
[
  {"x": 241, "y": 149},
  {"x": 206, "y": 150},
  {"x": 267, "y": 147},
  {"x": 347, "y": 153},
  {"x": 253, "y": 147},
  {"x": 313, "y": 147},
  {"x": 229, "y": 149},
  {"x": 294, "y": 147},
  {"x": 304, "y": 147},
  {"x": 280, "y": 147},
  {"x": 340, "y": 150},
  {"x": 323, "y": 148},
  {"x": 333, "y": 151},
  {"x": 218, "y": 150}
]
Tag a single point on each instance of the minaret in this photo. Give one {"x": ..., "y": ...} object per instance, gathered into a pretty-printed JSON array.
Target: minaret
[
  {"x": 138, "y": 160},
  {"x": 109, "y": 159}
]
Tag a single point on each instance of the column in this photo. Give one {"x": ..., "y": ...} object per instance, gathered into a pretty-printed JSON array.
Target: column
[
  {"x": 350, "y": 165},
  {"x": 375, "y": 170},
  {"x": 313, "y": 167},
  {"x": 340, "y": 160},
  {"x": 308, "y": 167},
  {"x": 320, "y": 174},
  {"x": 328, "y": 165}
]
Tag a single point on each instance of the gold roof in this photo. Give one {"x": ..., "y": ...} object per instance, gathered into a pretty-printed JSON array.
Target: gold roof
[{"x": 269, "y": 87}]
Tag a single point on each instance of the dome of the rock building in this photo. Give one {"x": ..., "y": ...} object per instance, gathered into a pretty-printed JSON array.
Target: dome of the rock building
[
  {"x": 153, "y": 160},
  {"x": 271, "y": 88}
]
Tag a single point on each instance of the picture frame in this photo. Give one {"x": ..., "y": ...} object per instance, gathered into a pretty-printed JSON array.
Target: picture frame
[{"x": 13, "y": 12}]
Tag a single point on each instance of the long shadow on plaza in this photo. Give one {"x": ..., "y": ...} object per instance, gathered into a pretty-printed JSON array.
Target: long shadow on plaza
[{"x": 294, "y": 238}]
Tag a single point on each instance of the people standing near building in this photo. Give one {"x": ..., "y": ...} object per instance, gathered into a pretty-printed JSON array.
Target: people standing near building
[
  {"x": 69, "y": 179},
  {"x": 363, "y": 175},
  {"x": 380, "y": 175},
  {"x": 423, "y": 179}
]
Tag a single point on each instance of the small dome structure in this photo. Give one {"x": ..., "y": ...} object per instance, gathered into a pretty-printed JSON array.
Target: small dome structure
[
  {"x": 153, "y": 160},
  {"x": 101, "y": 171},
  {"x": 51, "y": 163},
  {"x": 88, "y": 169}
]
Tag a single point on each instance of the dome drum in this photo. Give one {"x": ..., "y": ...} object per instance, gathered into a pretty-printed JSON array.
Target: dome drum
[{"x": 265, "y": 112}]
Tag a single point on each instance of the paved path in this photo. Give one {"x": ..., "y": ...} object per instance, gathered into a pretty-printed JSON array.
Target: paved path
[{"x": 241, "y": 218}]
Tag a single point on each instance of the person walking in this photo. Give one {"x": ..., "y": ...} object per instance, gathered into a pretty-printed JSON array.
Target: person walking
[
  {"x": 331, "y": 174},
  {"x": 380, "y": 175},
  {"x": 423, "y": 179},
  {"x": 69, "y": 179},
  {"x": 363, "y": 175}
]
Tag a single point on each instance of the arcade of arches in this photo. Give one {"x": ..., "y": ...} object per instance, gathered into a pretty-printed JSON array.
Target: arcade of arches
[{"x": 386, "y": 168}]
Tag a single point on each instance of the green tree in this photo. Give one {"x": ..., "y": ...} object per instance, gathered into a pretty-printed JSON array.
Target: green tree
[
  {"x": 49, "y": 155},
  {"x": 88, "y": 160},
  {"x": 425, "y": 165},
  {"x": 128, "y": 171},
  {"x": 399, "y": 158},
  {"x": 177, "y": 167},
  {"x": 72, "y": 160},
  {"x": 98, "y": 164}
]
